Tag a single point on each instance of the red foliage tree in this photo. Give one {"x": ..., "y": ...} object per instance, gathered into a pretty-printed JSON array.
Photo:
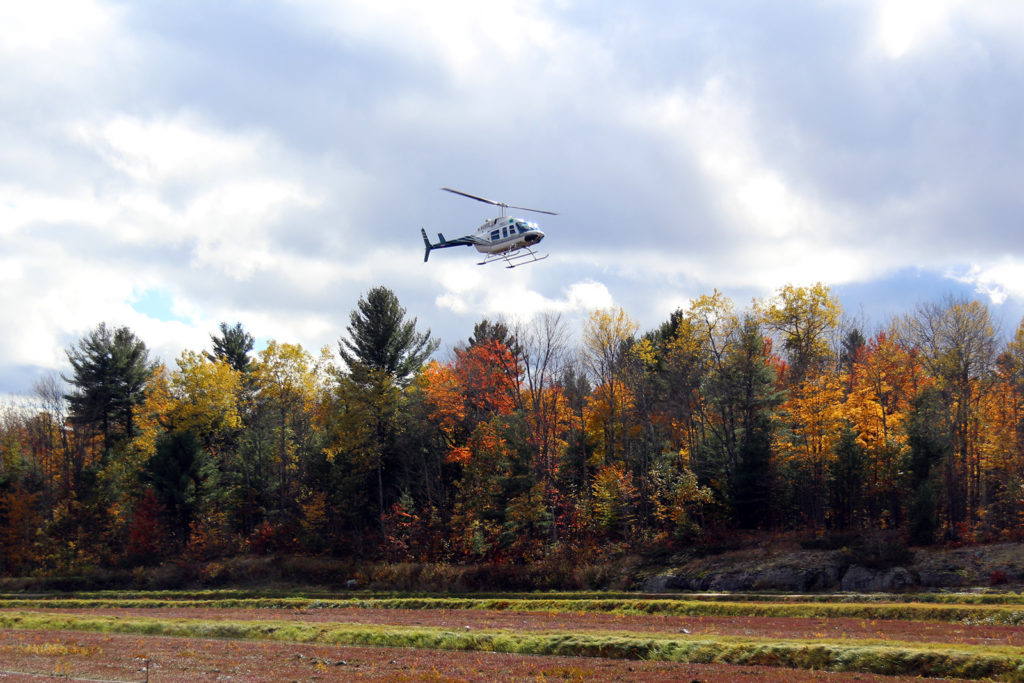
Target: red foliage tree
[{"x": 146, "y": 533}]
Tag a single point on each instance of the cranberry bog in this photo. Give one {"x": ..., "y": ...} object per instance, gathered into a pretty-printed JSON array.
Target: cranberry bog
[{"x": 266, "y": 635}]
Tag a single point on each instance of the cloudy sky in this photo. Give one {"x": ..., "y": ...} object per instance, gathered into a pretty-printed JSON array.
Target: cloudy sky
[{"x": 169, "y": 165}]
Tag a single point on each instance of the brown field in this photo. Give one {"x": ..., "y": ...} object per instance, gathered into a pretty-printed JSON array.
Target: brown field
[{"x": 65, "y": 655}]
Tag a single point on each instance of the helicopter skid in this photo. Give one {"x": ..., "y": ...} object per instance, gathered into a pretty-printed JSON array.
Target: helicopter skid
[{"x": 516, "y": 257}]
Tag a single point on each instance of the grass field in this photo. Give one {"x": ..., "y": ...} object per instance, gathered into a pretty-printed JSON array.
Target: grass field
[{"x": 254, "y": 635}]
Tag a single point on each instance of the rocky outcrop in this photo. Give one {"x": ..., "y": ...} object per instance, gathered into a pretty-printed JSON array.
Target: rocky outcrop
[
  {"x": 777, "y": 578},
  {"x": 761, "y": 571},
  {"x": 860, "y": 579},
  {"x": 786, "y": 578},
  {"x": 808, "y": 571}
]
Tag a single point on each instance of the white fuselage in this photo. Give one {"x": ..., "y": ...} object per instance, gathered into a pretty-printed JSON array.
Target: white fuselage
[{"x": 503, "y": 234}]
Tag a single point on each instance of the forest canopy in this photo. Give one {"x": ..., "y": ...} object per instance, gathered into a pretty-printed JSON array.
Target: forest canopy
[{"x": 521, "y": 445}]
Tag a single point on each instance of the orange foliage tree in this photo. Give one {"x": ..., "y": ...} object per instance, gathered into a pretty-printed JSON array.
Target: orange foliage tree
[
  {"x": 883, "y": 378},
  {"x": 810, "y": 423},
  {"x": 1003, "y": 446}
]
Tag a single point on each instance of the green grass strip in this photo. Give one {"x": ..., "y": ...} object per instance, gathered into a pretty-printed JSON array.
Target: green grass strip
[
  {"x": 946, "y": 613},
  {"x": 859, "y": 656},
  {"x": 962, "y": 598}
]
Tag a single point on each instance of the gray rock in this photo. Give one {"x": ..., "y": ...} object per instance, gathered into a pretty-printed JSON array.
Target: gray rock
[
  {"x": 860, "y": 579},
  {"x": 797, "y": 579},
  {"x": 931, "y": 578},
  {"x": 656, "y": 584}
]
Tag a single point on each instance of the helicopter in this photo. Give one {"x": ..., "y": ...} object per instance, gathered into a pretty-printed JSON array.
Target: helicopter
[{"x": 505, "y": 238}]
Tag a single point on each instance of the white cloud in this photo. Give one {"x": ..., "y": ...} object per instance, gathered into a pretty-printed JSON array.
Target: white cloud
[
  {"x": 170, "y": 148},
  {"x": 181, "y": 181},
  {"x": 997, "y": 280},
  {"x": 54, "y": 26},
  {"x": 271, "y": 166},
  {"x": 586, "y": 296},
  {"x": 158, "y": 187},
  {"x": 906, "y": 27},
  {"x": 777, "y": 231},
  {"x": 515, "y": 300},
  {"x": 905, "y": 24},
  {"x": 475, "y": 43}
]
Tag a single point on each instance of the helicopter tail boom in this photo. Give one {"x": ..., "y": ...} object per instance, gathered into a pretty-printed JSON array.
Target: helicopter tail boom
[
  {"x": 427, "y": 244},
  {"x": 442, "y": 243}
]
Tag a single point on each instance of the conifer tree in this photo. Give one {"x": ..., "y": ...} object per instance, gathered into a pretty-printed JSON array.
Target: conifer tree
[
  {"x": 232, "y": 346},
  {"x": 380, "y": 339},
  {"x": 110, "y": 368}
]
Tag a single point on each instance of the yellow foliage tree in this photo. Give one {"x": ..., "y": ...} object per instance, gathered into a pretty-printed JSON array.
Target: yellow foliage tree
[
  {"x": 1002, "y": 446},
  {"x": 605, "y": 339},
  {"x": 812, "y": 421},
  {"x": 805, "y": 317},
  {"x": 882, "y": 381},
  {"x": 957, "y": 341},
  {"x": 287, "y": 383},
  {"x": 207, "y": 397},
  {"x": 614, "y": 496}
]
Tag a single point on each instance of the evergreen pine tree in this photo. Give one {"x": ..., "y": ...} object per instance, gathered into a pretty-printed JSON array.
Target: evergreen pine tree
[
  {"x": 110, "y": 368},
  {"x": 232, "y": 346},
  {"x": 380, "y": 339}
]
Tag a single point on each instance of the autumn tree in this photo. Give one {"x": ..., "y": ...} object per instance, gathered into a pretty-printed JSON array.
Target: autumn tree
[
  {"x": 681, "y": 365},
  {"x": 958, "y": 348},
  {"x": 883, "y": 377},
  {"x": 383, "y": 351},
  {"x": 805, "y": 319},
  {"x": 488, "y": 375},
  {"x": 614, "y": 501},
  {"x": 575, "y": 388},
  {"x": 1003, "y": 445},
  {"x": 606, "y": 337},
  {"x": 19, "y": 519},
  {"x": 744, "y": 390},
  {"x": 468, "y": 391},
  {"x": 498, "y": 331},
  {"x": 716, "y": 395},
  {"x": 543, "y": 352},
  {"x": 705, "y": 338},
  {"x": 146, "y": 531},
  {"x": 810, "y": 423},
  {"x": 49, "y": 434},
  {"x": 208, "y": 399},
  {"x": 287, "y": 380},
  {"x": 1011, "y": 361}
]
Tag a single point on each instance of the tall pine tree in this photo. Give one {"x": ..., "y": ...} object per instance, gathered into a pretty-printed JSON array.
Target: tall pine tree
[
  {"x": 110, "y": 369},
  {"x": 232, "y": 346}
]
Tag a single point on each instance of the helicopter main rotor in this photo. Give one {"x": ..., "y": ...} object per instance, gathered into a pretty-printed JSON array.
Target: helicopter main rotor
[{"x": 503, "y": 205}]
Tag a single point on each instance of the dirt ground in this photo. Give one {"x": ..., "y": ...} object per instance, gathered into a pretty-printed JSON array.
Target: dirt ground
[{"x": 65, "y": 655}]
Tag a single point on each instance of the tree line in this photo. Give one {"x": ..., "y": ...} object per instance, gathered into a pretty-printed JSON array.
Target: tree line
[{"x": 521, "y": 446}]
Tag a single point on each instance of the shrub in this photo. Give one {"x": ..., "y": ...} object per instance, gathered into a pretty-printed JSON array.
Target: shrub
[
  {"x": 998, "y": 578},
  {"x": 833, "y": 541},
  {"x": 881, "y": 551}
]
